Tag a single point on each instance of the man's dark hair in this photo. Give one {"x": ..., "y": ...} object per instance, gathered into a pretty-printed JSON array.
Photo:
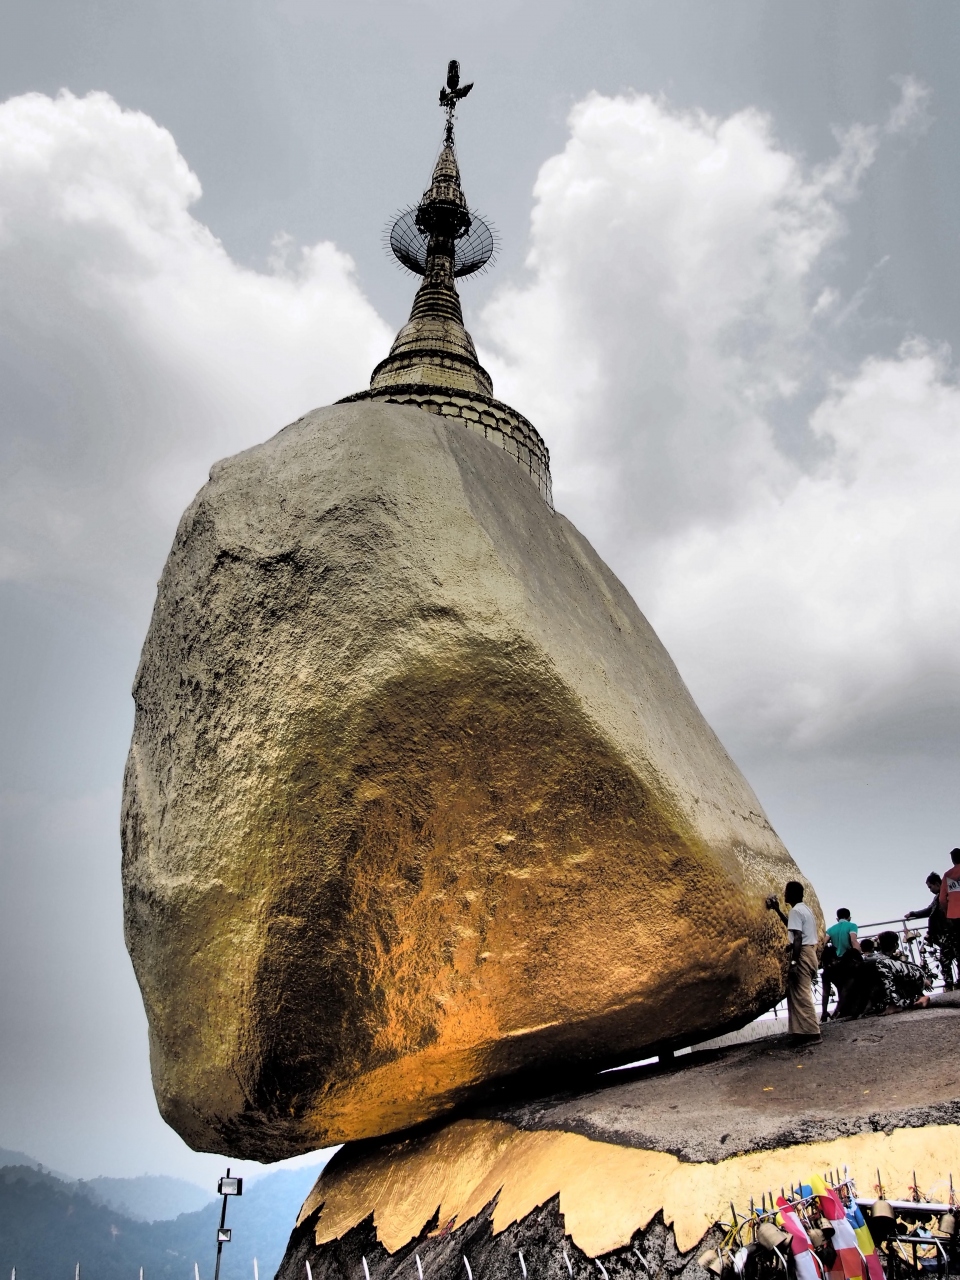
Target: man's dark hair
[
  {"x": 867, "y": 946},
  {"x": 793, "y": 891},
  {"x": 955, "y": 856},
  {"x": 888, "y": 942},
  {"x": 934, "y": 878},
  {"x": 843, "y": 913}
]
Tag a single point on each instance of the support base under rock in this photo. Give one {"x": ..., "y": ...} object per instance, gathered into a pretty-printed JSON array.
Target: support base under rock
[
  {"x": 541, "y": 1236},
  {"x": 642, "y": 1160}
]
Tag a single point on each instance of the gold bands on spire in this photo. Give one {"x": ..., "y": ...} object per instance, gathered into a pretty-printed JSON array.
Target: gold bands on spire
[{"x": 433, "y": 362}]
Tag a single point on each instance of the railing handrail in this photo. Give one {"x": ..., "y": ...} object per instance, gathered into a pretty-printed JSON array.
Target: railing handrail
[{"x": 879, "y": 924}]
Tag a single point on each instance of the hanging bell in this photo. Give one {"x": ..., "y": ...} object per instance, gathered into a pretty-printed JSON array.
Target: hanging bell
[
  {"x": 948, "y": 1226},
  {"x": 771, "y": 1236}
]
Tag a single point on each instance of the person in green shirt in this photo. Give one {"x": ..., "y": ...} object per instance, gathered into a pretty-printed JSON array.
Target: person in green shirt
[{"x": 842, "y": 964}]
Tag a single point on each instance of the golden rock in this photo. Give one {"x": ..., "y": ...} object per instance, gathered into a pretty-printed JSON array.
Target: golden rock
[{"x": 416, "y": 799}]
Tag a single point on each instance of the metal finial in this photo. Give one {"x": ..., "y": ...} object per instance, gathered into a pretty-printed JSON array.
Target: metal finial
[
  {"x": 453, "y": 91},
  {"x": 450, "y": 95},
  {"x": 443, "y": 208}
]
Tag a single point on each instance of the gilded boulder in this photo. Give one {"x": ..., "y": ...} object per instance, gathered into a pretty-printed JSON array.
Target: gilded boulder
[{"x": 416, "y": 800}]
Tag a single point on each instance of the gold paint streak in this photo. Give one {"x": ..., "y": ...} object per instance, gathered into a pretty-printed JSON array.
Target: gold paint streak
[
  {"x": 471, "y": 876},
  {"x": 607, "y": 1192}
]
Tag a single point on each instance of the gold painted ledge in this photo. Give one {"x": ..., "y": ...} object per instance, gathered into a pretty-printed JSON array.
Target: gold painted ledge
[{"x": 607, "y": 1192}]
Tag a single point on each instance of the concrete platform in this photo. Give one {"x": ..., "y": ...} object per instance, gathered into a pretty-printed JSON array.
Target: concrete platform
[{"x": 873, "y": 1074}]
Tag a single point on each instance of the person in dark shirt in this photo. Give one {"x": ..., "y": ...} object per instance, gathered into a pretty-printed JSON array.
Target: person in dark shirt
[
  {"x": 938, "y": 936},
  {"x": 934, "y": 881}
]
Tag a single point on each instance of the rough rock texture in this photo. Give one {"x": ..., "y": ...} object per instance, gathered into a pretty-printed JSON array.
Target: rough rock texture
[
  {"x": 416, "y": 799},
  {"x": 674, "y": 1146},
  {"x": 541, "y": 1236}
]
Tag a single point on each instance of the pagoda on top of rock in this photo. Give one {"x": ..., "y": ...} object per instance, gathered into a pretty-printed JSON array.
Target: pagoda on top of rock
[{"x": 433, "y": 363}]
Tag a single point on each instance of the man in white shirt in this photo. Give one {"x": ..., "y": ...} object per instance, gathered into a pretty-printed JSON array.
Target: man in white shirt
[{"x": 802, "y": 928}]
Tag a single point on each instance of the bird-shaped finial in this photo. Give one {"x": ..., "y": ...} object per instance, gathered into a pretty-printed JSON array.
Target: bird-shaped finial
[{"x": 452, "y": 93}]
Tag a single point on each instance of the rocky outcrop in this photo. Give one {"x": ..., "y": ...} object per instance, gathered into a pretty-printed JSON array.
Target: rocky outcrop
[{"x": 416, "y": 800}]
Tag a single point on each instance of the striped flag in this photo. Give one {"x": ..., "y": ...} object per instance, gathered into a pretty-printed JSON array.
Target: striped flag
[
  {"x": 851, "y": 1260},
  {"x": 865, "y": 1241},
  {"x": 804, "y": 1259}
]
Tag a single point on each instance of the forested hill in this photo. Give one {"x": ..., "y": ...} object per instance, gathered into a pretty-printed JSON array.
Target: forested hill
[{"x": 48, "y": 1225}]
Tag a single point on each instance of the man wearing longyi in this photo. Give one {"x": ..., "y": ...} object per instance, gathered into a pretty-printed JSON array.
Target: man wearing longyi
[{"x": 802, "y": 928}]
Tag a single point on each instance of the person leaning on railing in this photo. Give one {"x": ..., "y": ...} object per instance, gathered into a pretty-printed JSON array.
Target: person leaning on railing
[{"x": 937, "y": 933}]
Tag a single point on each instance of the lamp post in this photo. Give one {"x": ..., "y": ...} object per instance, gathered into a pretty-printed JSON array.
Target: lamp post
[{"x": 225, "y": 1187}]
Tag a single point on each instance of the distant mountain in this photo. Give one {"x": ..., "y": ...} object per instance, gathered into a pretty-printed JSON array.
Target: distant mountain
[
  {"x": 20, "y": 1157},
  {"x": 17, "y": 1157},
  {"x": 149, "y": 1198},
  {"x": 48, "y": 1225}
]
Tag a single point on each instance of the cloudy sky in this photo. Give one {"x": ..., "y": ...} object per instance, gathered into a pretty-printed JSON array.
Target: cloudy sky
[{"x": 726, "y": 297}]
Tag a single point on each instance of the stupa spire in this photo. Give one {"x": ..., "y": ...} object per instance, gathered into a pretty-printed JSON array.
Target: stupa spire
[
  {"x": 433, "y": 363},
  {"x": 433, "y": 346}
]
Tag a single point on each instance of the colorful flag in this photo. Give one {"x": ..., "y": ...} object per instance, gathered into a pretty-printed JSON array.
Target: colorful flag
[
  {"x": 865, "y": 1241},
  {"x": 805, "y": 1260},
  {"x": 851, "y": 1260}
]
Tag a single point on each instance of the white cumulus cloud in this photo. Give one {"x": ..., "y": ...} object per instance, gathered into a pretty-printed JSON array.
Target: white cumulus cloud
[
  {"x": 787, "y": 519},
  {"x": 827, "y": 610},
  {"x": 133, "y": 351}
]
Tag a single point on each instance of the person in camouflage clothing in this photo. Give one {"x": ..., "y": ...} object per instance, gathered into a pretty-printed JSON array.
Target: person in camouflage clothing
[{"x": 901, "y": 982}]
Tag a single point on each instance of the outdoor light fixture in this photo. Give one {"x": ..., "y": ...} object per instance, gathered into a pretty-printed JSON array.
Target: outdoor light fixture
[{"x": 227, "y": 1186}]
